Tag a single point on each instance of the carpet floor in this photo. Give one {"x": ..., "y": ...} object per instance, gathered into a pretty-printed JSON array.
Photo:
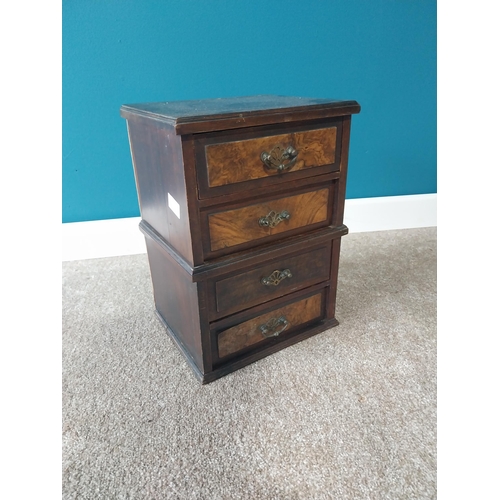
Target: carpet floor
[{"x": 347, "y": 414}]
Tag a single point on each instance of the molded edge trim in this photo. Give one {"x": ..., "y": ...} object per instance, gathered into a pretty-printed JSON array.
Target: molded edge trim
[
  {"x": 208, "y": 269},
  {"x": 231, "y": 120},
  {"x": 116, "y": 237}
]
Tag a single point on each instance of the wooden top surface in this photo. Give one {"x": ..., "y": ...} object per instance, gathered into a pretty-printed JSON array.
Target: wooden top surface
[{"x": 235, "y": 112}]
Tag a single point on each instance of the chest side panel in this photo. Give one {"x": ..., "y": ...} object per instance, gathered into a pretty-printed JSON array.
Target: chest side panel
[
  {"x": 177, "y": 301},
  {"x": 161, "y": 187}
]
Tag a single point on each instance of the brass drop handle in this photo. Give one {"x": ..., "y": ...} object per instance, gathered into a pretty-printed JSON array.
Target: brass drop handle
[
  {"x": 279, "y": 158},
  {"x": 272, "y": 219},
  {"x": 274, "y": 327},
  {"x": 276, "y": 277}
]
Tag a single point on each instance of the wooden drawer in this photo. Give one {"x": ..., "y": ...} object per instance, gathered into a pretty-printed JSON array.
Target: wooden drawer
[
  {"x": 269, "y": 281},
  {"x": 250, "y": 225},
  {"x": 238, "y": 160},
  {"x": 273, "y": 326}
]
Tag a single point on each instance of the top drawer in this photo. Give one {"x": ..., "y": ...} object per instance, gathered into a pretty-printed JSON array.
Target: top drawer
[{"x": 238, "y": 160}]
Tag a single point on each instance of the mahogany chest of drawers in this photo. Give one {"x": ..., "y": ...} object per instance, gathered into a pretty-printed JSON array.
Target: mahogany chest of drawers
[{"x": 242, "y": 203}]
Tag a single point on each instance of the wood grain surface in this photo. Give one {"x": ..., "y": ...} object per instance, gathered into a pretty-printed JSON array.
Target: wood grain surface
[
  {"x": 233, "y": 227},
  {"x": 246, "y": 289},
  {"x": 239, "y": 161},
  {"x": 248, "y": 333},
  {"x": 217, "y": 220}
]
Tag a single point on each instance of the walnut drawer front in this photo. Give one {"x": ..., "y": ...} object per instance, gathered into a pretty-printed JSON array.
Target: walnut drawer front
[
  {"x": 240, "y": 161},
  {"x": 252, "y": 223},
  {"x": 232, "y": 161},
  {"x": 272, "y": 325},
  {"x": 271, "y": 280}
]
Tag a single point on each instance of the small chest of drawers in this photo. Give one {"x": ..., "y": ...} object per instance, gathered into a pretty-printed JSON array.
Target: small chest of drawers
[{"x": 242, "y": 203}]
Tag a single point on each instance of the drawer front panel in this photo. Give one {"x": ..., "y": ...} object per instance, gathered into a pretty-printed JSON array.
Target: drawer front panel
[
  {"x": 275, "y": 279},
  {"x": 252, "y": 223},
  {"x": 270, "y": 325},
  {"x": 239, "y": 161}
]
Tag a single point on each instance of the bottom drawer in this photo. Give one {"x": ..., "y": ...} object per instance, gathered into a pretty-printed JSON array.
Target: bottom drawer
[{"x": 273, "y": 325}]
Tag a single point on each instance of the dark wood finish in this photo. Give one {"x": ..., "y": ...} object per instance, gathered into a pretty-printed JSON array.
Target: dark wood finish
[
  {"x": 188, "y": 117},
  {"x": 202, "y": 189},
  {"x": 158, "y": 168},
  {"x": 339, "y": 209},
  {"x": 331, "y": 297},
  {"x": 238, "y": 260},
  {"x": 246, "y": 289},
  {"x": 249, "y": 333},
  {"x": 176, "y": 300}
]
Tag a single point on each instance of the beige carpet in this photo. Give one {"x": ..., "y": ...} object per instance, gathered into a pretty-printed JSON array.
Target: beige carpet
[{"x": 347, "y": 414}]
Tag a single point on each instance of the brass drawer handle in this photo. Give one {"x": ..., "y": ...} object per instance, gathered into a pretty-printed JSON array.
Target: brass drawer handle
[
  {"x": 274, "y": 327},
  {"x": 272, "y": 219},
  {"x": 279, "y": 158},
  {"x": 276, "y": 277}
]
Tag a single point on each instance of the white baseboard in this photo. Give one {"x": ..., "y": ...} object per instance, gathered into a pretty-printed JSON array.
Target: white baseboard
[
  {"x": 391, "y": 212},
  {"x": 114, "y": 237}
]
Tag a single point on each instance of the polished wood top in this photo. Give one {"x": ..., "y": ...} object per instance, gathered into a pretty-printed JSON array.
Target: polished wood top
[{"x": 235, "y": 112}]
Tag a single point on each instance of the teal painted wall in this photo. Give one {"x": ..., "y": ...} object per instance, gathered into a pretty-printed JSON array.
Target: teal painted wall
[{"x": 381, "y": 53}]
